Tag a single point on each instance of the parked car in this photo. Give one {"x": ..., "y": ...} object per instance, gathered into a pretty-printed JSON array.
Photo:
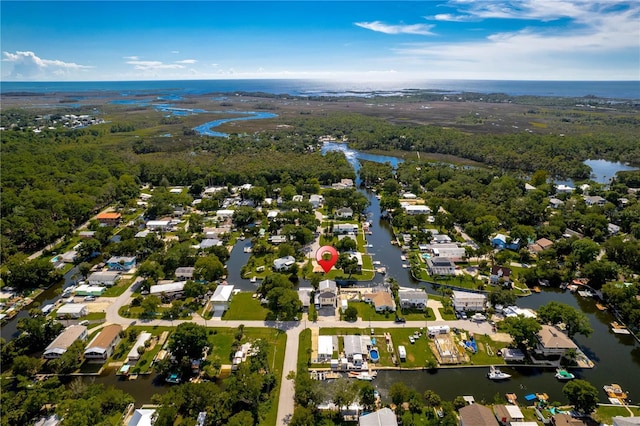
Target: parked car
[
  {"x": 399, "y": 319},
  {"x": 89, "y": 298}
]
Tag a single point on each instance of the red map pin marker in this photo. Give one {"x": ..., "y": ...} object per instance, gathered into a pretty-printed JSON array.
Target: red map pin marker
[{"x": 327, "y": 264}]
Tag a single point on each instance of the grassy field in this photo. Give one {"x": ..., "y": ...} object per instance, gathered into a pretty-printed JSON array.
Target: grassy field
[
  {"x": 368, "y": 313},
  {"x": 604, "y": 414},
  {"x": 304, "y": 349},
  {"x": 118, "y": 289},
  {"x": 244, "y": 307}
]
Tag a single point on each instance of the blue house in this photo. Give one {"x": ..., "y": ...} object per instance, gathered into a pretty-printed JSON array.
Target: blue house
[
  {"x": 121, "y": 263},
  {"x": 502, "y": 241}
]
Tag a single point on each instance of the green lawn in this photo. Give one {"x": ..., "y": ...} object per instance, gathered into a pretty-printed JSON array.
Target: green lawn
[
  {"x": 368, "y": 313},
  {"x": 95, "y": 316},
  {"x": 482, "y": 357},
  {"x": 118, "y": 289},
  {"x": 604, "y": 414},
  {"x": 244, "y": 307},
  {"x": 304, "y": 350},
  {"x": 415, "y": 315}
]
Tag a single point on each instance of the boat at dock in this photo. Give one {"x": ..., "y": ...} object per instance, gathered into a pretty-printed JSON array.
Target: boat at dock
[
  {"x": 619, "y": 328},
  {"x": 615, "y": 391},
  {"x": 562, "y": 374},
  {"x": 496, "y": 374},
  {"x": 363, "y": 375}
]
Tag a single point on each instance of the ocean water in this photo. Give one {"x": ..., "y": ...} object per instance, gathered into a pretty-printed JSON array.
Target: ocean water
[{"x": 172, "y": 89}]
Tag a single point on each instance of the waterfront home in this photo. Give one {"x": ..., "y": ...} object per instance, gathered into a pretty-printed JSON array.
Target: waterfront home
[
  {"x": 327, "y": 294},
  {"x": 450, "y": 250},
  {"x": 441, "y": 266},
  {"x": 382, "y": 301},
  {"x": 142, "y": 417},
  {"x": 345, "y": 228},
  {"x": 72, "y": 310},
  {"x": 467, "y": 301},
  {"x": 500, "y": 274},
  {"x": 133, "y": 356},
  {"x": 566, "y": 420},
  {"x": 121, "y": 263},
  {"x": 67, "y": 338},
  {"x": 353, "y": 349},
  {"x": 344, "y": 213},
  {"x": 384, "y": 416},
  {"x": 89, "y": 290},
  {"x": 221, "y": 299},
  {"x": 283, "y": 263},
  {"x": 208, "y": 243},
  {"x": 516, "y": 355},
  {"x": 413, "y": 209},
  {"x": 325, "y": 348},
  {"x": 103, "y": 345},
  {"x": 109, "y": 218},
  {"x": 553, "y": 342},
  {"x": 107, "y": 279},
  {"x": 477, "y": 415},
  {"x": 413, "y": 299},
  {"x": 594, "y": 200},
  {"x": 184, "y": 273},
  {"x": 507, "y": 414},
  {"x": 168, "y": 291},
  {"x": 564, "y": 189}
]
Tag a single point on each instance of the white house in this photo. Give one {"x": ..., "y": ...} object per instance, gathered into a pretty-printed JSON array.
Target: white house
[
  {"x": 344, "y": 213},
  {"x": 382, "y": 301},
  {"x": 103, "y": 345},
  {"x": 325, "y": 348},
  {"x": 224, "y": 214},
  {"x": 106, "y": 279},
  {"x": 345, "y": 228},
  {"x": 316, "y": 200},
  {"x": 142, "y": 417},
  {"x": 413, "y": 299},
  {"x": 441, "y": 266},
  {"x": 221, "y": 299},
  {"x": 412, "y": 209},
  {"x": 73, "y": 310},
  {"x": 327, "y": 294},
  {"x": 133, "y": 355},
  {"x": 467, "y": 301},
  {"x": 283, "y": 263},
  {"x": 67, "y": 338},
  {"x": 168, "y": 290},
  {"x": 564, "y": 189},
  {"x": 383, "y": 417},
  {"x": 184, "y": 273},
  {"x": 159, "y": 225}
]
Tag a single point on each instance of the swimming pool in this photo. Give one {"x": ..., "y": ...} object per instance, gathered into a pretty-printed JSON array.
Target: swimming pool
[
  {"x": 426, "y": 256},
  {"x": 374, "y": 356}
]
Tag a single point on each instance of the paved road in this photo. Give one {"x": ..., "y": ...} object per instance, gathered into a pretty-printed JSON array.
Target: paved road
[{"x": 291, "y": 328}]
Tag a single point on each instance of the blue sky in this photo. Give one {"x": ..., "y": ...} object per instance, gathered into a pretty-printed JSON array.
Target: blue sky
[{"x": 373, "y": 40}]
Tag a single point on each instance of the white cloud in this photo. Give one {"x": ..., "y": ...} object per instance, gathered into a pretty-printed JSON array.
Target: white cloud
[
  {"x": 186, "y": 61},
  {"x": 131, "y": 58},
  {"x": 26, "y": 65},
  {"x": 153, "y": 65},
  {"x": 175, "y": 52},
  {"x": 418, "y": 29},
  {"x": 451, "y": 18}
]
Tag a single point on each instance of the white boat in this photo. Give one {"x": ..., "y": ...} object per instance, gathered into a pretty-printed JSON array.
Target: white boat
[
  {"x": 253, "y": 279},
  {"x": 364, "y": 375},
  {"x": 403, "y": 257},
  {"x": 495, "y": 374},
  {"x": 562, "y": 374}
]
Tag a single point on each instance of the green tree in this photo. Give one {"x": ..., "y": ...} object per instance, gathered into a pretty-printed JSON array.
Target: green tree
[
  {"x": 502, "y": 297},
  {"x": 208, "y": 268},
  {"x": 576, "y": 321},
  {"x": 347, "y": 263},
  {"x": 88, "y": 247},
  {"x": 302, "y": 416},
  {"x": 70, "y": 360},
  {"x": 188, "y": 340},
  {"x": 399, "y": 393},
  {"x": 150, "y": 269},
  {"x": 24, "y": 365},
  {"x": 522, "y": 330},
  {"x": 150, "y": 306},
  {"x": 351, "y": 313},
  {"x": 243, "y": 418},
  {"x": 582, "y": 395},
  {"x": 432, "y": 399},
  {"x": 284, "y": 303}
]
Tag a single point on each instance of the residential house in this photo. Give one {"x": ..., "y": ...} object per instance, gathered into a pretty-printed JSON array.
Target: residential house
[
  {"x": 564, "y": 189},
  {"x": 72, "y": 310},
  {"x": 413, "y": 299},
  {"x": 477, "y": 415},
  {"x": 415, "y": 209},
  {"x": 224, "y": 214},
  {"x": 440, "y": 239},
  {"x": 221, "y": 299},
  {"x": 501, "y": 241},
  {"x": 382, "y": 301},
  {"x": 209, "y": 242},
  {"x": 355, "y": 349},
  {"x": 168, "y": 291},
  {"x": 316, "y": 200},
  {"x": 500, "y": 275},
  {"x": 283, "y": 263},
  {"x": 67, "y": 338},
  {"x": 277, "y": 239},
  {"x": 103, "y": 345},
  {"x": 86, "y": 234},
  {"x": 441, "y": 266},
  {"x": 297, "y": 198},
  {"x": 272, "y": 214},
  {"x": 345, "y": 228},
  {"x": 613, "y": 228},
  {"x": 553, "y": 342},
  {"x": 158, "y": 225},
  {"x": 467, "y": 301},
  {"x": 304, "y": 295},
  {"x": 327, "y": 294},
  {"x": 594, "y": 200},
  {"x": 626, "y": 421},
  {"x": 325, "y": 348},
  {"x": 566, "y": 420},
  {"x": 507, "y": 414},
  {"x": 89, "y": 290},
  {"x": 109, "y": 218},
  {"x": 121, "y": 263},
  {"x": 133, "y": 355},
  {"x": 555, "y": 203},
  {"x": 409, "y": 196},
  {"x": 540, "y": 245},
  {"x": 344, "y": 213},
  {"x": 452, "y": 251},
  {"x": 358, "y": 257},
  {"x": 142, "y": 417},
  {"x": 107, "y": 279},
  {"x": 69, "y": 256},
  {"x": 184, "y": 273}
]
